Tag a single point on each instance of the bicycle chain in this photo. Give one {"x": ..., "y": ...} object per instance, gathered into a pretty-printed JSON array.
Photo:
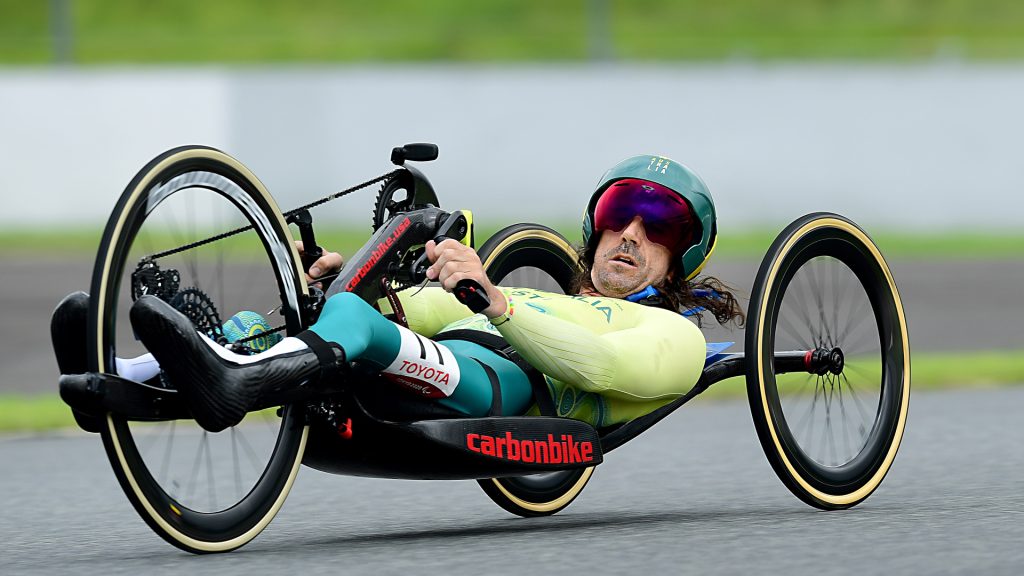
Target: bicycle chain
[
  {"x": 314, "y": 204},
  {"x": 242, "y": 341},
  {"x": 248, "y": 339}
]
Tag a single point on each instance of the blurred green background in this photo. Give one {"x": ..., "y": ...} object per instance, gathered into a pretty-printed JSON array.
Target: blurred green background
[{"x": 269, "y": 31}]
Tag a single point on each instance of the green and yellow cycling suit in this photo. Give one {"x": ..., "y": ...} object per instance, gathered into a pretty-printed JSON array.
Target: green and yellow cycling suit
[{"x": 605, "y": 360}]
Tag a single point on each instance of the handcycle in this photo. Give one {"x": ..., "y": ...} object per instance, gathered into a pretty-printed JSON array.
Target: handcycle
[{"x": 826, "y": 357}]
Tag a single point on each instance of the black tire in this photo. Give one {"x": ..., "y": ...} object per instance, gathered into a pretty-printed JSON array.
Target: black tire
[
  {"x": 533, "y": 256},
  {"x": 180, "y": 493},
  {"x": 864, "y": 405}
]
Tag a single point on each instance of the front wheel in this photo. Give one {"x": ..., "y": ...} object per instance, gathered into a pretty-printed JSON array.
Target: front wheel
[
  {"x": 533, "y": 256},
  {"x": 832, "y": 436},
  {"x": 201, "y": 492}
]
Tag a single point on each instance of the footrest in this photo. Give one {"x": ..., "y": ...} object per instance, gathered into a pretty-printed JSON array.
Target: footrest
[{"x": 96, "y": 394}]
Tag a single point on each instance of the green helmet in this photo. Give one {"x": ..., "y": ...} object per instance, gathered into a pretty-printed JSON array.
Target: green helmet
[{"x": 679, "y": 179}]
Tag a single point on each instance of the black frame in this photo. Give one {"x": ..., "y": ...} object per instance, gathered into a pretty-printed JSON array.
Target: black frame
[{"x": 369, "y": 444}]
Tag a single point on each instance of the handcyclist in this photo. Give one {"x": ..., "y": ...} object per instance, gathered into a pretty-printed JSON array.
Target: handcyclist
[{"x": 614, "y": 350}]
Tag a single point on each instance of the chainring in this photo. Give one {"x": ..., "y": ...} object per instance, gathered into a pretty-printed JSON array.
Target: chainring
[
  {"x": 199, "y": 309},
  {"x": 386, "y": 206}
]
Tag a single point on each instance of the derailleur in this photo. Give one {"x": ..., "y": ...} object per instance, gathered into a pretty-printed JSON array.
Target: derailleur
[
  {"x": 149, "y": 279},
  {"x": 196, "y": 305}
]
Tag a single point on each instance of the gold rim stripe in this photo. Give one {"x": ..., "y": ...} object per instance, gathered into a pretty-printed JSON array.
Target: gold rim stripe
[
  {"x": 571, "y": 493},
  {"x": 873, "y": 482},
  {"x": 555, "y": 504},
  {"x": 133, "y": 199}
]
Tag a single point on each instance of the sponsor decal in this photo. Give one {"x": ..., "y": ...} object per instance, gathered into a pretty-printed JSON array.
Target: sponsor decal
[
  {"x": 564, "y": 450},
  {"x": 425, "y": 372},
  {"x": 424, "y": 366},
  {"x": 378, "y": 253},
  {"x": 423, "y": 378}
]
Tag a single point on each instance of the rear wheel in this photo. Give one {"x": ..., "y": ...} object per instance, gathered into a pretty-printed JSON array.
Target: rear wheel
[
  {"x": 533, "y": 256},
  {"x": 830, "y": 437},
  {"x": 201, "y": 492}
]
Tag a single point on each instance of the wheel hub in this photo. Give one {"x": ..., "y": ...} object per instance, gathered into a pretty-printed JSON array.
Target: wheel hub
[
  {"x": 825, "y": 360},
  {"x": 836, "y": 361}
]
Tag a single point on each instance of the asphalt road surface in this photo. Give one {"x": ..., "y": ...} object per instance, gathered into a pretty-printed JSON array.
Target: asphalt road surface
[
  {"x": 969, "y": 305},
  {"x": 693, "y": 495}
]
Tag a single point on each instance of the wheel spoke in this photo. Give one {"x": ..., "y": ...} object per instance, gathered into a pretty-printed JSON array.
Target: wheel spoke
[
  {"x": 836, "y": 318},
  {"x": 190, "y": 487},
  {"x": 868, "y": 341},
  {"x": 168, "y": 450},
  {"x": 793, "y": 333},
  {"x": 818, "y": 389},
  {"x": 212, "y": 485},
  {"x": 815, "y": 335},
  {"x": 801, "y": 424},
  {"x": 864, "y": 413},
  {"x": 253, "y": 458},
  {"x": 839, "y": 287},
  {"x": 825, "y": 334},
  {"x": 857, "y": 320},
  {"x": 247, "y": 286},
  {"x": 846, "y": 425},
  {"x": 188, "y": 257},
  {"x": 828, "y": 417},
  {"x": 234, "y": 458}
]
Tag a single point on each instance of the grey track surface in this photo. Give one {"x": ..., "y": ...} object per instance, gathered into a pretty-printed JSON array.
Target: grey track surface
[
  {"x": 970, "y": 305},
  {"x": 693, "y": 495}
]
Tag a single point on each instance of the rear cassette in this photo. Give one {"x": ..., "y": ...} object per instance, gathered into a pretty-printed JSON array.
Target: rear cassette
[{"x": 199, "y": 309}]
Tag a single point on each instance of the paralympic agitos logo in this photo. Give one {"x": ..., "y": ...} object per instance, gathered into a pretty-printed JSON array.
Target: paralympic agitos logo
[
  {"x": 565, "y": 450},
  {"x": 378, "y": 253}
]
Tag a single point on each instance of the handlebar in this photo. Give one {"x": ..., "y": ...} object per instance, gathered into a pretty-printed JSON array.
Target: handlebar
[
  {"x": 380, "y": 257},
  {"x": 472, "y": 295},
  {"x": 467, "y": 291}
]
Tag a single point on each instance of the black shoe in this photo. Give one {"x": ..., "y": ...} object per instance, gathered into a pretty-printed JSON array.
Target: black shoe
[
  {"x": 220, "y": 392},
  {"x": 68, "y": 333}
]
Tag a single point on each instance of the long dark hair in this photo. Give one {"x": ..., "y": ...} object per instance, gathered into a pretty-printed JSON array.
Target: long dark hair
[{"x": 677, "y": 295}]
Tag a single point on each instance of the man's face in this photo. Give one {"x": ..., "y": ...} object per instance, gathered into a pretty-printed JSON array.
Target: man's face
[{"x": 626, "y": 262}]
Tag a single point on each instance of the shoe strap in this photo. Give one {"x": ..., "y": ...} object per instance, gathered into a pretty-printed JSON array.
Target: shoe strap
[{"x": 330, "y": 355}]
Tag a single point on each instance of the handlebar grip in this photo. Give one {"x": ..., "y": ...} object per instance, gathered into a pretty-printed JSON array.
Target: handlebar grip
[
  {"x": 468, "y": 292},
  {"x": 310, "y": 258},
  {"x": 311, "y": 252},
  {"x": 472, "y": 294}
]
